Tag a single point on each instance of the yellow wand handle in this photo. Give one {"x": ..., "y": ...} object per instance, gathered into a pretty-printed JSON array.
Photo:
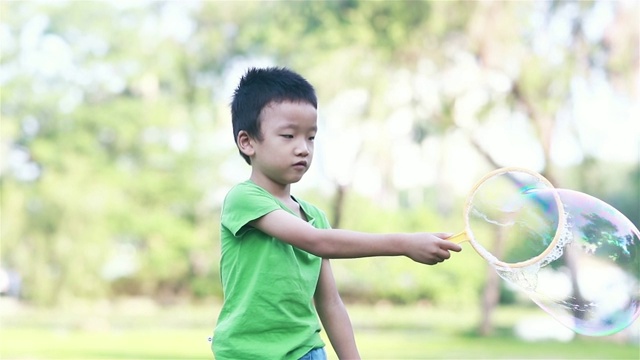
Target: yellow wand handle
[{"x": 459, "y": 237}]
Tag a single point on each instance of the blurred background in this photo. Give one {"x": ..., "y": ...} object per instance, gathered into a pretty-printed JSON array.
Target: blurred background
[{"x": 116, "y": 152}]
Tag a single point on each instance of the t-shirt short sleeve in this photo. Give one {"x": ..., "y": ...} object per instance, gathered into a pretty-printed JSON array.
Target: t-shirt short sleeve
[{"x": 244, "y": 203}]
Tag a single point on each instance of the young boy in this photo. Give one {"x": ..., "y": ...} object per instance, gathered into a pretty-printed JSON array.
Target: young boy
[{"x": 275, "y": 269}]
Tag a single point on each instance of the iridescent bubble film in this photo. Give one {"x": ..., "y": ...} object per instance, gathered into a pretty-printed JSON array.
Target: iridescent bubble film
[{"x": 590, "y": 279}]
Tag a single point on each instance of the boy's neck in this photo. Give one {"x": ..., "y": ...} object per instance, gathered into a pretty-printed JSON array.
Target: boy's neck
[{"x": 279, "y": 191}]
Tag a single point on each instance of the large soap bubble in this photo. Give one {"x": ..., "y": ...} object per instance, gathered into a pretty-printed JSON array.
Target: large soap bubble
[
  {"x": 589, "y": 280},
  {"x": 574, "y": 255}
]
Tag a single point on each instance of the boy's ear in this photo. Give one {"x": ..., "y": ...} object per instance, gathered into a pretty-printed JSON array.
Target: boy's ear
[{"x": 245, "y": 143}]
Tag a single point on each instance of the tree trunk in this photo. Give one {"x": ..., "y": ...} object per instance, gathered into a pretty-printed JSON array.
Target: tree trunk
[
  {"x": 491, "y": 292},
  {"x": 338, "y": 205}
]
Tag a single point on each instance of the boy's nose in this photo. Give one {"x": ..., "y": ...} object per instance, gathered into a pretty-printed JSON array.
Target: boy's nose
[{"x": 302, "y": 149}]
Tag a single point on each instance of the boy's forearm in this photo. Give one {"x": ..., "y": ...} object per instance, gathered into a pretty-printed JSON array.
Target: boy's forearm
[
  {"x": 333, "y": 315},
  {"x": 338, "y": 243},
  {"x": 340, "y": 332}
]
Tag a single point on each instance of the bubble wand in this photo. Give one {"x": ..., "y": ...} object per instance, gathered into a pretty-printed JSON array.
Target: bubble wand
[{"x": 575, "y": 256}]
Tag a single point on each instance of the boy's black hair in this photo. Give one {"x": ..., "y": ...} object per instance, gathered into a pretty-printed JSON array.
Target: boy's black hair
[{"x": 260, "y": 87}]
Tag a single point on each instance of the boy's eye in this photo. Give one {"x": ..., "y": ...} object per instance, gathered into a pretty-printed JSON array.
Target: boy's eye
[
  {"x": 287, "y": 136},
  {"x": 312, "y": 138}
]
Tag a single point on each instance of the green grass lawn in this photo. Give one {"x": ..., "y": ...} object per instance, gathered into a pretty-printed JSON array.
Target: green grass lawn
[
  {"x": 382, "y": 332},
  {"x": 37, "y": 343},
  {"x": 416, "y": 345},
  {"x": 378, "y": 344}
]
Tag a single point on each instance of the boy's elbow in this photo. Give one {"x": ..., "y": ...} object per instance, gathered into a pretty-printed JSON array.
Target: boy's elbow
[
  {"x": 323, "y": 251},
  {"x": 318, "y": 245},
  {"x": 327, "y": 250},
  {"x": 318, "y": 249}
]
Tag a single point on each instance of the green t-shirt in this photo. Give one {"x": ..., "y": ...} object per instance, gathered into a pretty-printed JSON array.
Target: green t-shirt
[{"x": 268, "y": 285}]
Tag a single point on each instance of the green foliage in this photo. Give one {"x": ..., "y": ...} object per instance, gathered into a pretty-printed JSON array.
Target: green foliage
[
  {"x": 116, "y": 140},
  {"x": 115, "y": 170}
]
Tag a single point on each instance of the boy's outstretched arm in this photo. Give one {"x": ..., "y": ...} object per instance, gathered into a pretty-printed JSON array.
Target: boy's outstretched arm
[
  {"x": 426, "y": 248},
  {"x": 333, "y": 315}
]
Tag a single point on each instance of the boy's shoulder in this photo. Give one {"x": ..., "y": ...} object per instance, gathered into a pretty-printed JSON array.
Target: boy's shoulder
[
  {"x": 250, "y": 197},
  {"x": 245, "y": 188},
  {"x": 246, "y": 195}
]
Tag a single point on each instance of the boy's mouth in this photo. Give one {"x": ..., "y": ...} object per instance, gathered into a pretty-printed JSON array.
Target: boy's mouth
[{"x": 301, "y": 164}]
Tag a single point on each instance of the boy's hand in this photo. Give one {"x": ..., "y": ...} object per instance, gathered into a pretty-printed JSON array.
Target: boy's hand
[{"x": 430, "y": 248}]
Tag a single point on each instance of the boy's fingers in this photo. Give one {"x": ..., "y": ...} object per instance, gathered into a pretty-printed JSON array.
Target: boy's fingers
[
  {"x": 443, "y": 236},
  {"x": 449, "y": 245}
]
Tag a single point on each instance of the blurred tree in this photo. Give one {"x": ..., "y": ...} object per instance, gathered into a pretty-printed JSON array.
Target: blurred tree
[
  {"x": 108, "y": 129},
  {"x": 543, "y": 71},
  {"x": 117, "y": 136}
]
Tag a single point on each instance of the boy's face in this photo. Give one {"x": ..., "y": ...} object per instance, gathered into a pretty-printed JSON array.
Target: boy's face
[{"x": 285, "y": 152}]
